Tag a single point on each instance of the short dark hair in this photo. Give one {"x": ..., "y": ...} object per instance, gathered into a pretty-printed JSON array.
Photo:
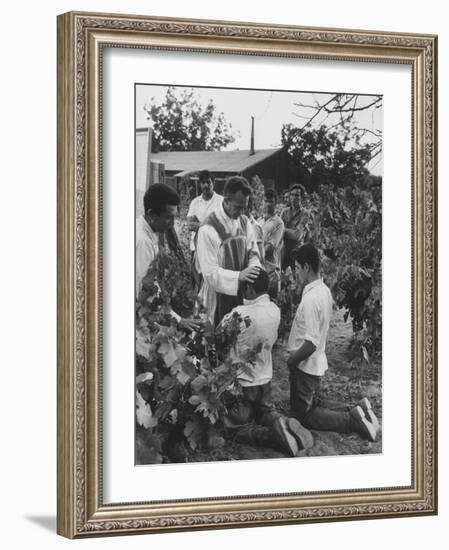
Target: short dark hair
[
  {"x": 307, "y": 254},
  {"x": 234, "y": 184},
  {"x": 204, "y": 175},
  {"x": 271, "y": 194},
  {"x": 298, "y": 186},
  {"x": 261, "y": 283},
  {"x": 158, "y": 196}
]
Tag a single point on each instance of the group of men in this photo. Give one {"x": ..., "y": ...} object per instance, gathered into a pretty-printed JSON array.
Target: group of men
[{"x": 235, "y": 257}]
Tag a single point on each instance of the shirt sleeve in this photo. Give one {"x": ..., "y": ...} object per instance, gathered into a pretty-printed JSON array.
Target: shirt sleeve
[
  {"x": 275, "y": 234},
  {"x": 225, "y": 281},
  {"x": 191, "y": 211},
  {"x": 311, "y": 313},
  {"x": 284, "y": 215},
  {"x": 253, "y": 249},
  {"x": 144, "y": 257}
]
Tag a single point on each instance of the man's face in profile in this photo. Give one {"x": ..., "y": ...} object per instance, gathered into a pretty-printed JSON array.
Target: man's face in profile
[
  {"x": 301, "y": 273},
  {"x": 269, "y": 206},
  {"x": 236, "y": 204},
  {"x": 166, "y": 220}
]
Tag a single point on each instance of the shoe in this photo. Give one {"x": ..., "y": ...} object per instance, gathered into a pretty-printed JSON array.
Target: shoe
[
  {"x": 361, "y": 424},
  {"x": 303, "y": 436},
  {"x": 369, "y": 413},
  {"x": 285, "y": 439}
]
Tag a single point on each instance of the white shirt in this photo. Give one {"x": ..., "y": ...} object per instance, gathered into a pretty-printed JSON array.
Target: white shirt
[
  {"x": 209, "y": 257},
  {"x": 147, "y": 249},
  {"x": 201, "y": 208},
  {"x": 273, "y": 232},
  {"x": 265, "y": 318},
  {"x": 258, "y": 234},
  {"x": 311, "y": 323}
]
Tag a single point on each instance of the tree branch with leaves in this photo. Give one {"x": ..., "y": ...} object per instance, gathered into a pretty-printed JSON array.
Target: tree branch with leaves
[{"x": 181, "y": 123}]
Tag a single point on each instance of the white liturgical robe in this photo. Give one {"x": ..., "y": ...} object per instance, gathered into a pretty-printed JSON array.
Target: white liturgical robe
[{"x": 209, "y": 261}]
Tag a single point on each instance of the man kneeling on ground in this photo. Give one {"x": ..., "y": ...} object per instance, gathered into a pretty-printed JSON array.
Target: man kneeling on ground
[
  {"x": 254, "y": 419},
  {"x": 308, "y": 363}
]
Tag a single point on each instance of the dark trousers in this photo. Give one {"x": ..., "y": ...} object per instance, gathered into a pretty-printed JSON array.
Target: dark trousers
[
  {"x": 307, "y": 407},
  {"x": 254, "y": 405},
  {"x": 253, "y": 416}
]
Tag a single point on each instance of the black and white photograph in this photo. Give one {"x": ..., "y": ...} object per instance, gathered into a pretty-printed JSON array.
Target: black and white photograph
[{"x": 258, "y": 273}]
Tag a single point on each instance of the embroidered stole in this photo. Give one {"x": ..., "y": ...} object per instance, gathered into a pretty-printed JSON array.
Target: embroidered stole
[{"x": 234, "y": 257}]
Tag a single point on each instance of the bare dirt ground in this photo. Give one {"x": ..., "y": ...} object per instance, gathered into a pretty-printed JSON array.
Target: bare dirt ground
[{"x": 345, "y": 383}]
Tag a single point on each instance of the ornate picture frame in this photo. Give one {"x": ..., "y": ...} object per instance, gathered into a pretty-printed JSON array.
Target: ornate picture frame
[{"x": 82, "y": 39}]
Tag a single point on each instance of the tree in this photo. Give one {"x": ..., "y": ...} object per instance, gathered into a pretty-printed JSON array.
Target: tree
[
  {"x": 325, "y": 156},
  {"x": 345, "y": 130},
  {"x": 181, "y": 123},
  {"x": 354, "y": 111}
]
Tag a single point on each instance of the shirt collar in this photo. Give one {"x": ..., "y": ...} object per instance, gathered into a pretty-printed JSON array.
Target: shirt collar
[
  {"x": 311, "y": 285},
  {"x": 212, "y": 197},
  {"x": 262, "y": 299},
  {"x": 147, "y": 228},
  {"x": 224, "y": 216}
]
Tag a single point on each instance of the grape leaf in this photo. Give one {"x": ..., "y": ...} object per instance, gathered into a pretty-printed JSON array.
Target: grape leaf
[
  {"x": 144, "y": 414},
  {"x": 145, "y": 377}
]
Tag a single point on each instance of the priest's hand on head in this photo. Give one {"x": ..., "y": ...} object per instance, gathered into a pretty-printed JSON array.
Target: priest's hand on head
[{"x": 250, "y": 274}]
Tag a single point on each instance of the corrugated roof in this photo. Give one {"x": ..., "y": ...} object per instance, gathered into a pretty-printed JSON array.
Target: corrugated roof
[{"x": 214, "y": 161}]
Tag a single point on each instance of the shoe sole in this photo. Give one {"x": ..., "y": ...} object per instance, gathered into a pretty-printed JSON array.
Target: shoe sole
[
  {"x": 363, "y": 424},
  {"x": 287, "y": 439},
  {"x": 302, "y": 435},
  {"x": 369, "y": 413}
]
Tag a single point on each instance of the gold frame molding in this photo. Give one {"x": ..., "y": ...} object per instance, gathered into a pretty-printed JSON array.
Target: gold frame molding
[{"x": 81, "y": 37}]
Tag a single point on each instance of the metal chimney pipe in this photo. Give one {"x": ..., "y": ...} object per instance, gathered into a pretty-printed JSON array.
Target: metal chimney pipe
[{"x": 252, "y": 151}]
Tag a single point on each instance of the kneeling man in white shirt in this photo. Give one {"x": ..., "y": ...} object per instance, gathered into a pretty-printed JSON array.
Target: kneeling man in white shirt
[
  {"x": 308, "y": 362},
  {"x": 254, "y": 419}
]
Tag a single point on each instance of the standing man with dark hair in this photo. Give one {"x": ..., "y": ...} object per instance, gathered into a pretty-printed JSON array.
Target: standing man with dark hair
[
  {"x": 203, "y": 205},
  {"x": 295, "y": 232},
  {"x": 273, "y": 229},
  {"x": 257, "y": 229},
  {"x": 308, "y": 362},
  {"x": 227, "y": 253},
  {"x": 160, "y": 204}
]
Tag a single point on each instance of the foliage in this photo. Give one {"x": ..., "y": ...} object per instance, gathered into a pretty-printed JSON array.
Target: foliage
[
  {"x": 184, "y": 379},
  {"x": 326, "y": 156},
  {"x": 343, "y": 110},
  {"x": 181, "y": 123},
  {"x": 345, "y": 223},
  {"x": 342, "y": 215},
  {"x": 257, "y": 196}
]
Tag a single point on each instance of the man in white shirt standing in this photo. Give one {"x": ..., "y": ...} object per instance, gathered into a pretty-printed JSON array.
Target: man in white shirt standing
[
  {"x": 308, "y": 362},
  {"x": 160, "y": 204},
  {"x": 227, "y": 253},
  {"x": 203, "y": 205},
  {"x": 273, "y": 229},
  {"x": 273, "y": 236},
  {"x": 254, "y": 419}
]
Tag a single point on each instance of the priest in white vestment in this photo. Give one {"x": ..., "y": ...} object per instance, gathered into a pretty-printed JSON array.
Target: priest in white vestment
[{"x": 226, "y": 253}]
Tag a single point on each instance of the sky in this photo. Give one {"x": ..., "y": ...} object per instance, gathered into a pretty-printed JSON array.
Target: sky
[{"x": 271, "y": 110}]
